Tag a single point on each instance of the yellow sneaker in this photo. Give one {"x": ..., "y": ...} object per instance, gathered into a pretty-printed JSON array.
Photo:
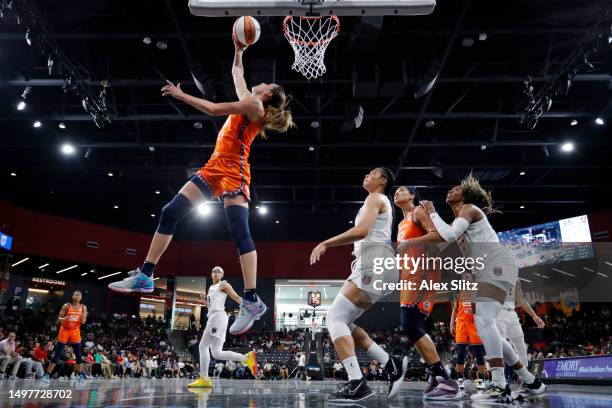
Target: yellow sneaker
[
  {"x": 201, "y": 383},
  {"x": 251, "y": 362}
]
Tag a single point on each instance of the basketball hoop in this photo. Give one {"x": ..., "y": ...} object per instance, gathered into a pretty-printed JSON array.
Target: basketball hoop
[{"x": 309, "y": 38}]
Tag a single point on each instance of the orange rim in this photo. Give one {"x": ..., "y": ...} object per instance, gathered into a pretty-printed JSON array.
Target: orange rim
[{"x": 310, "y": 43}]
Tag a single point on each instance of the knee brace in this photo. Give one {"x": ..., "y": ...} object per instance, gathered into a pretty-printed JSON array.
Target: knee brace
[
  {"x": 460, "y": 349},
  {"x": 340, "y": 317},
  {"x": 478, "y": 351},
  {"x": 413, "y": 323},
  {"x": 172, "y": 212},
  {"x": 238, "y": 224},
  {"x": 78, "y": 352}
]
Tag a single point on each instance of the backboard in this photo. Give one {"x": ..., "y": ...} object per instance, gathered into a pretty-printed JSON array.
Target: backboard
[{"x": 220, "y": 8}]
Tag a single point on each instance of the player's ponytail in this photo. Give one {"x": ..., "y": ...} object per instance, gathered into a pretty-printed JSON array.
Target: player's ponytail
[{"x": 278, "y": 117}]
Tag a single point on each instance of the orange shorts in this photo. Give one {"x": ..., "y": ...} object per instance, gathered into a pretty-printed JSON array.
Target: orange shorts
[
  {"x": 226, "y": 176},
  {"x": 69, "y": 336},
  {"x": 465, "y": 332},
  {"x": 425, "y": 306}
]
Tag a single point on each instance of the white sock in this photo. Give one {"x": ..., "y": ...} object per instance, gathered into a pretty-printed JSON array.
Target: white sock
[
  {"x": 498, "y": 377},
  {"x": 525, "y": 375},
  {"x": 352, "y": 368},
  {"x": 378, "y": 353}
]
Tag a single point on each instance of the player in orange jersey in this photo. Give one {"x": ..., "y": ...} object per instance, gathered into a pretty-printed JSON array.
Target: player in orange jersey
[
  {"x": 226, "y": 176},
  {"x": 415, "y": 236},
  {"x": 463, "y": 327},
  {"x": 71, "y": 316}
]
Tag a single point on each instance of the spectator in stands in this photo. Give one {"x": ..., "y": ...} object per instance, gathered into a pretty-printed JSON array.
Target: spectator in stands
[
  {"x": 30, "y": 364},
  {"x": 338, "y": 371},
  {"x": 284, "y": 372},
  {"x": 8, "y": 355},
  {"x": 218, "y": 369}
]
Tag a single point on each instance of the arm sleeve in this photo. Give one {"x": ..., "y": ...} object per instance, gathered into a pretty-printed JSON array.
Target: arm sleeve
[{"x": 450, "y": 233}]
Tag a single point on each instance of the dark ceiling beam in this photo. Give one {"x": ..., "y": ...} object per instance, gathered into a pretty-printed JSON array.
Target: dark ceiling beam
[
  {"x": 222, "y": 35},
  {"x": 261, "y": 168},
  {"x": 423, "y": 110},
  {"x": 357, "y": 145},
  {"x": 331, "y": 81},
  {"x": 391, "y": 116}
]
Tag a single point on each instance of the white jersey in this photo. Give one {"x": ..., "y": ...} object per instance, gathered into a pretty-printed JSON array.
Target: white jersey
[
  {"x": 381, "y": 230},
  {"x": 216, "y": 299},
  {"x": 482, "y": 239},
  {"x": 510, "y": 302}
]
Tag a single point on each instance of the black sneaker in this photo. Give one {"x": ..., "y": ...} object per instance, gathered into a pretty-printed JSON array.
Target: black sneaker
[
  {"x": 352, "y": 391},
  {"x": 529, "y": 390},
  {"x": 396, "y": 370}
]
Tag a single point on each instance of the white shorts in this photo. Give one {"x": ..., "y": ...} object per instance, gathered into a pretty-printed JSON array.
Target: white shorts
[
  {"x": 216, "y": 326},
  {"x": 503, "y": 276},
  {"x": 365, "y": 275},
  {"x": 509, "y": 324}
]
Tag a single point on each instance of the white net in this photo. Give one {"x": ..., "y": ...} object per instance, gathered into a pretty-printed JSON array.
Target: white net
[{"x": 309, "y": 38}]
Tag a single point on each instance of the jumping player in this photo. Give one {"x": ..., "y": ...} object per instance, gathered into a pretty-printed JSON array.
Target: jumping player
[
  {"x": 71, "y": 316},
  {"x": 463, "y": 328},
  {"x": 415, "y": 306},
  {"x": 471, "y": 204},
  {"x": 213, "y": 336},
  {"x": 225, "y": 176},
  {"x": 371, "y": 237}
]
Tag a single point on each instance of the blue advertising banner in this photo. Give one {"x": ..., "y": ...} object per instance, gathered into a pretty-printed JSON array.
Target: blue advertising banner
[
  {"x": 588, "y": 367},
  {"x": 6, "y": 241}
]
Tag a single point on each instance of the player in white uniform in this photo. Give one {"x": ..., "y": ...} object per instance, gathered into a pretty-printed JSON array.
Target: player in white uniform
[
  {"x": 214, "y": 333},
  {"x": 371, "y": 236},
  {"x": 509, "y": 324},
  {"x": 471, "y": 204}
]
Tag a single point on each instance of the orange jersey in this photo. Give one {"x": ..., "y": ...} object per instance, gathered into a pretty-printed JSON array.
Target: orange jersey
[
  {"x": 465, "y": 327},
  {"x": 72, "y": 319},
  {"x": 424, "y": 299},
  {"x": 464, "y": 311},
  {"x": 227, "y": 172}
]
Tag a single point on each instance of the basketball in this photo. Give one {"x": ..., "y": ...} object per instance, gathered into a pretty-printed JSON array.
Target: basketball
[{"x": 246, "y": 30}]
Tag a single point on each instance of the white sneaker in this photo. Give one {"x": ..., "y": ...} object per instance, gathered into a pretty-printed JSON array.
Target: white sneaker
[{"x": 249, "y": 312}]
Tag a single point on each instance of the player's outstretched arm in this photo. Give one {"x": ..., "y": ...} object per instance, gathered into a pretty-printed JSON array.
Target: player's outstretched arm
[
  {"x": 242, "y": 91},
  {"x": 227, "y": 288}
]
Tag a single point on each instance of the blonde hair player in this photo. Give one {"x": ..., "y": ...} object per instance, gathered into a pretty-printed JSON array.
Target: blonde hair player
[
  {"x": 213, "y": 336},
  {"x": 226, "y": 176},
  {"x": 371, "y": 237},
  {"x": 471, "y": 204}
]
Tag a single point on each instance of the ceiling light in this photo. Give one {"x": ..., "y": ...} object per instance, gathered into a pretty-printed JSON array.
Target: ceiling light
[
  {"x": 522, "y": 173},
  {"x": 311, "y": 149},
  {"x": 20, "y": 262},
  {"x": 483, "y": 147},
  {"x": 599, "y": 121},
  {"x": 161, "y": 45},
  {"x": 430, "y": 123},
  {"x": 38, "y": 290},
  {"x": 116, "y": 207},
  {"x": 351, "y": 221},
  {"x": 204, "y": 209},
  {"x": 28, "y": 38},
  {"x": 567, "y": 147},
  {"x": 277, "y": 221},
  {"x": 157, "y": 192},
  {"x": 522, "y": 207},
  {"x": 263, "y": 210},
  {"x": 66, "y": 269},
  {"x": 26, "y": 92},
  {"x": 315, "y": 124},
  {"x": 43, "y": 266},
  {"x": 13, "y": 174},
  {"x": 152, "y": 215},
  {"x": 482, "y": 36},
  {"x": 84, "y": 273},
  {"x": 109, "y": 275},
  {"x": 147, "y": 40},
  {"x": 37, "y": 124},
  {"x": 21, "y": 105},
  {"x": 467, "y": 42},
  {"x": 198, "y": 125},
  {"x": 110, "y": 174},
  {"x": 68, "y": 149},
  {"x": 574, "y": 122},
  {"x": 61, "y": 125}
]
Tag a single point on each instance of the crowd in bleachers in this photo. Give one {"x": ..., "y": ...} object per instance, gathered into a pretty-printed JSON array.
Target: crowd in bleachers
[{"x": 128, "y": 346}]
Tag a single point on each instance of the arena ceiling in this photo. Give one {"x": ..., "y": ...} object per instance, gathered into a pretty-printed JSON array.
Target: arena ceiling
[{"x": 310, "y": 178}]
